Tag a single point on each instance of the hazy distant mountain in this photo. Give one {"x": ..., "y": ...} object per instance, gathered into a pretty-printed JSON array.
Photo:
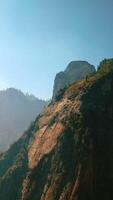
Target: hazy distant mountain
[
  {"x": 76, "y": 70},
  {"x": 17, "y": 111}
]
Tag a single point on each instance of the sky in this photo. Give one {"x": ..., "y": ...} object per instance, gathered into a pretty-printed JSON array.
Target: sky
[{"x": 38, "y": 38}]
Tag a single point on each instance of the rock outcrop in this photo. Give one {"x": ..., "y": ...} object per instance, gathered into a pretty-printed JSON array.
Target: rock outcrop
[
  {"x": 67, "y": 153},
  {"x": 76, "y": 70}
]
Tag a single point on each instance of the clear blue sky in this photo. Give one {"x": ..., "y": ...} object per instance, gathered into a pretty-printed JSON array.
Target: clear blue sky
[{"x": 38, "y": 38}]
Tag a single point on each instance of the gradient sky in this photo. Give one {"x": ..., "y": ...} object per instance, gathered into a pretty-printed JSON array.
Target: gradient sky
[{"x": 38, "y": 38}]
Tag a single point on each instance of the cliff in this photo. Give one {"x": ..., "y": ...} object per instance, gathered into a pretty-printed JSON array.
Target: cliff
[{"x": 67, "y": 152}]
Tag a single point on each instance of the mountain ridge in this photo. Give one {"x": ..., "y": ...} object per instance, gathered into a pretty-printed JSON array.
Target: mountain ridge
[
  {"x": 66, "y": 154},
  {"x": 17, "y": 111}
]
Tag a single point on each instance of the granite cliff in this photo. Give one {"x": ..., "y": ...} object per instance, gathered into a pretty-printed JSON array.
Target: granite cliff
[{"x": 67, "y": 153}]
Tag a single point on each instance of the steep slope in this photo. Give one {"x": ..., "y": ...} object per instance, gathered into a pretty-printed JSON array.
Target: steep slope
[
  {"x": 17, "y": 111},
  {"x": 76, "y": 70},
  {"x": 67, "y": 153}
]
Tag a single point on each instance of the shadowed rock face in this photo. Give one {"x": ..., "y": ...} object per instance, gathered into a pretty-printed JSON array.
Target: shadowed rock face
[
  {"x": 76, "y": 70},
  {"x": 66, "y": 154}
]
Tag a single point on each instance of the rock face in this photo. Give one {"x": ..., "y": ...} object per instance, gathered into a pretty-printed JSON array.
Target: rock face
[
  {"x": 76, "y": 70},
  {"x": 67, "y": 153},
  {"x": 17, "y": 111}
]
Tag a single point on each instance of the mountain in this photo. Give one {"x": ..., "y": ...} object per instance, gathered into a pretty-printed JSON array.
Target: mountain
[
  {"x": 17, "y": 111},
  {"x": 76, "y": 70},
  {"x": 67, "y": 152}
]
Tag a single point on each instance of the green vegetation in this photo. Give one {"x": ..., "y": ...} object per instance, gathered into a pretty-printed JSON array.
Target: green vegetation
[{"x": 105, "y": 66}]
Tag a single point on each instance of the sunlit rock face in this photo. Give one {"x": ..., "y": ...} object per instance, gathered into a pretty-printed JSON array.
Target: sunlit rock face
[
  {"x": 76, "y": 70},
  {"x": 66, "y": 154}
]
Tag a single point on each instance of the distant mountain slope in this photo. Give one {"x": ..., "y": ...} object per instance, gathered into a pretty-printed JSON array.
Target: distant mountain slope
[
  {"x": 67, "y": 153},
  {"x": 17, "y": 111},
  {"x": 76, "y": 70}
]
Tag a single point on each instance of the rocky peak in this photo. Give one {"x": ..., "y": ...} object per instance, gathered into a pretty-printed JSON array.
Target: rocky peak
[{"x": 76, "y": 70}]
